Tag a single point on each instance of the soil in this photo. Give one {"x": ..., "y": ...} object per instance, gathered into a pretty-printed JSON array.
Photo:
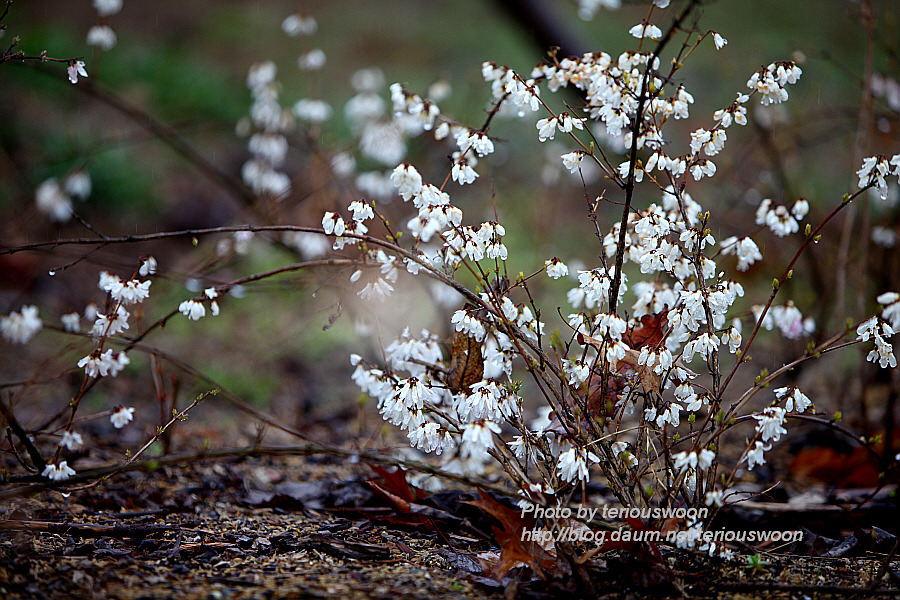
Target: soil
[{"x": 310, "y": 527}]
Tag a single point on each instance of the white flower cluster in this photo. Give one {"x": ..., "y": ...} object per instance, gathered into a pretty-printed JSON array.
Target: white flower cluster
[
  {"x": 770, "y": 82},
  {"x": 881, "y": 329},
  {"x": 268, "y": 144},
  {"x": 618, "y": 363},
  {"x": 779, "y": 219},
  {"x": 874, "y": 170},
  {"x": 19, "y": 327},
  {"x": 196, "y": 309},
  {"x": 54, "y": 199}
]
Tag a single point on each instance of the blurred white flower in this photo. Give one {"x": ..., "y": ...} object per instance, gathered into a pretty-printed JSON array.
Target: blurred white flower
[
  {"x": 121, "y": 417},
  {"x": 53, "y": 202},
  {"x": 101, "y": 36},
  {"x": 20, "y": 327},
  {"x": 71, "y": 440}
]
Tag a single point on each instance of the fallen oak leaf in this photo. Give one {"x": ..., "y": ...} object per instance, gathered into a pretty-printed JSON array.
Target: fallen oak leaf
[
  {"x": 396, "y": 484},
  {"x": 515, "y": 549}
]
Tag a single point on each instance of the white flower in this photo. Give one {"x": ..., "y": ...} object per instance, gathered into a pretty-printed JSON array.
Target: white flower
[
  {"x": 53, "y": 202},
  {"x": 296, "y": 25},
  {"x": 796, "y": 400},
  {"x": 468, "y": 324},
  {"x": 132, "y": 291},
  {"x": 376, "y": 290},
  {"x": 883, "y": 351},
  {"x": 20, "y": 327},
  {"x": 800, "y": 209},
  {"x": 746, "y": 249},
  {"x": 462, "y": 173},
  {"x": 312, "y": 60},
  {"x": 692, "y": 460},
  {"x": 770, "y": 423},
  {"x": 413, "y": 393},
  {"x": 103, "y": 364},
  {"x": 430, "y": 437},
  {"x": 58, "y": 472},
  {"x": 572, "y": 160},
  {"x": 71, "y": 440},
  {"x": 101, "y": 36},
  {"x": 733, "y": 338},
  {"x": 716, "y": 497},
  {"x": 719, "y": 40},
  {"x": 755, "y": 455},
  {"x": 78, "y": 184},
  {"x": 646, "y": 30},
  {"x": 872, "y": 172},
  {"x": 192, "y": 309},
  {"x": 110, "y": 323},
  {"x": 891, "y": 311},
  {"x": 576, "y": 371},
  {"x": 71, "y": 322},
  {"x": 121, "y": 416},
  {"x": 556, "y": 268},
  {"x": 407, "y": 181},
  {"x": 148, "y": 266},
  {"x": 107, "y": 7},
  {"x": 478, "y": 437},
  {"x": 361, "y": 210},
  {"x": 314, "y": 111},
  {"x": 76, "y": 69},
  {"x": 573, "y": 464}
]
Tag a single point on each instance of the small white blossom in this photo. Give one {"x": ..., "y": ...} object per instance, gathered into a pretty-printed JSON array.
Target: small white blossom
[
  {"x": 430, "y": 437},
  {"x": 148, "y": 266},
  {"x": 121, "y": 416},
  {"x": 75, "y": 69},
  {"x": 479, "y": 437},
  {"x": 71, "y": 322},
  {"x": 891, "y": 311},
  {"x": 462, "y": 173},
  {"x": 101, "y": 36},
  {"x": 646, "y": 30},
  {"x": 714, "y": 497},
  {"x": 556, "y": 268},
  {"x": 297, "y": 25},
  {"x": 312, "y": 60},
  {"x": 314, "y": 111},
  {"x": 572, "y": 160},
  {"x": 53, "y": 202},
  {"x": 361, "y": 210},
  {"x": 746, "y": 250},
  {"x": 719, "y": 40},
  {"x": 110, "y": 323},
  {"x": 58, "y": 472},
  {"x": 192, "y": 309},
  {"x": 132, "y": 291},
  {"x": 573, "y": 464},
  {"x": 107, "y": 7},
  {"x": 873, "y": 172},
  {"x": 71, "y": 440},
  {"x": 796, "y": 400},
  {"x": 770, "y": 423},
  {"x": 755, "y": 455}
]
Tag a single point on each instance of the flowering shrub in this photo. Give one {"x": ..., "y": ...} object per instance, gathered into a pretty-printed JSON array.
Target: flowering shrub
[
  {"x": 618, "y": 394},
  {"x": 635, "y": 384}
]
